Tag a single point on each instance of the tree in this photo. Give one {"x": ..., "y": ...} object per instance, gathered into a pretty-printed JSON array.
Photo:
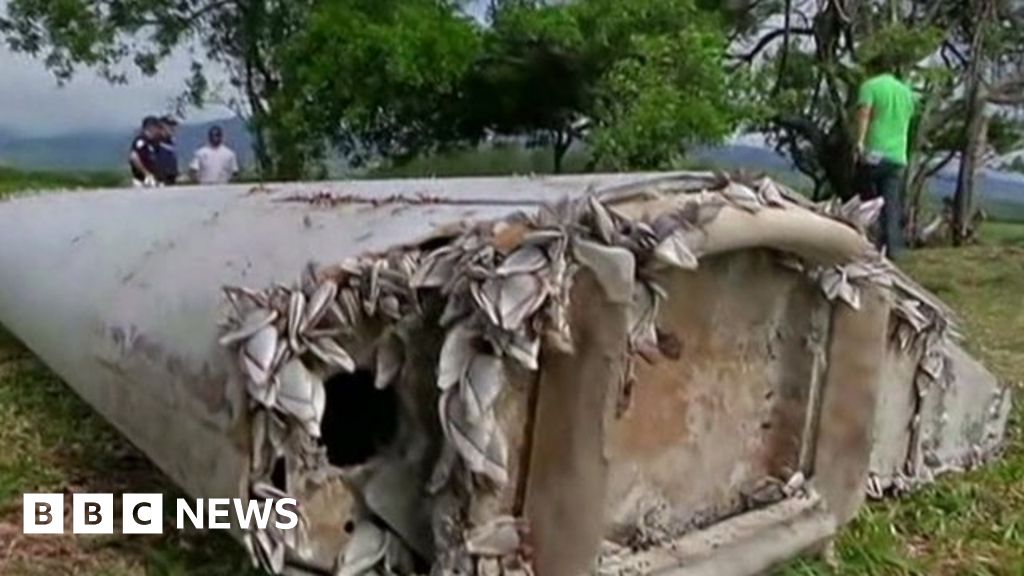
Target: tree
[
  {"x": 242, "y": 36},
  {"x": 531, "y": 78},
  {"x": 995, "y": 48},
  {"x": 810, "y": 70},
  {"x": 379, "y": 78},
  {"x": 810, "y": 73},
  {"x": 638, "y": 80},
  {"x": 668, "y": 93}
]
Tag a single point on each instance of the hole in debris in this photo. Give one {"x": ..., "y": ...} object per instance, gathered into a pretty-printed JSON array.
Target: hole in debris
[
  {"x": 431, "y": 244},
  {"x": 359, "y": 420},
  {"x": 279, "y": 475}
]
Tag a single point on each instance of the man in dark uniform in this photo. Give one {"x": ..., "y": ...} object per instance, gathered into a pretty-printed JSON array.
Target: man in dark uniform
[
  {"x": 166, "y": 155},
  {"x": 142, "y": 158}
]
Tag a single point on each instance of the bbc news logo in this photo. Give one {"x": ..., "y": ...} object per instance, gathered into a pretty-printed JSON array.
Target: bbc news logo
[{"x": 143, "y": 513}]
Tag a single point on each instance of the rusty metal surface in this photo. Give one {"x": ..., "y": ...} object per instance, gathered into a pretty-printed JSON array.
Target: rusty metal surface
[
  {"x": 751, "y": 543},
  {"x": 729, "y": 405}
]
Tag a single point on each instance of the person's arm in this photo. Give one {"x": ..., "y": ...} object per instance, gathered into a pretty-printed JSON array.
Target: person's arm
[
  {"x": 137, "y": 163},
  {"x": 193, "y": 168},
  {"x": 863, "y": 122},
  {"x": 865, "y": 101},
  {"x": 234, "y": 165}
]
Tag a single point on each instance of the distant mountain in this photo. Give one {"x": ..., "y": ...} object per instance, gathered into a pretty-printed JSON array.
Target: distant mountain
[
  {"x": 996, "y": 186},
  {"x": 99, "y": 150},
  {"x": 108, "y": 151}
]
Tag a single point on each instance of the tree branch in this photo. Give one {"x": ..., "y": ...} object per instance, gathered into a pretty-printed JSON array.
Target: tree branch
[
  {"x": 1010, "y": 92},
  {"x": 938, "y": 166},
  {"x": 784, "y": 59},
  {"x": 952, "y": 48},
  {"x": 186, "y": 20},
  {"x": 768, "y": 38}
]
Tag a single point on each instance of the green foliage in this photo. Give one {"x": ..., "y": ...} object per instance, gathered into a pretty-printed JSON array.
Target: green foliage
[
  {"x": 530, "y": 78},
  {"x": 14, "y": 181},
  {"x": 807, "y": 80},
  {"x": 110, "y": 36},
  {"x": 641, "y": 79},
  {"x": 1005, "y": 133},
  {"x": 377, "y": 78},
  {"x": 1017, "y": 165},
  {"x": 668, "y": 94},
  {"x": 900, "y": 46},
  {"x": 638, "y": 80}
]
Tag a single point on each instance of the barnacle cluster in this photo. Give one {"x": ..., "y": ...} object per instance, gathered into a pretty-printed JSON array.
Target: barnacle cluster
[{"x": 504, "y": 290}]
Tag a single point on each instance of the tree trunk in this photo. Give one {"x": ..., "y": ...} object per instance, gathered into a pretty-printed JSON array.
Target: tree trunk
[
  {"x": 917, "y": 167},
  {"x": 970, "y": 162},
  {"x": 976, "y": 126}
]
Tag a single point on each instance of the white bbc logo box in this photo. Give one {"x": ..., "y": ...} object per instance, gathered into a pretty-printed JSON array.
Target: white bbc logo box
[
  {"x": 144, "y": 513},
  {"x": 92, "y": 514}
]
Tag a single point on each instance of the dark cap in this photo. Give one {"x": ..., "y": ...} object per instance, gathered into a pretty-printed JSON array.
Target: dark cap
[
  {"x": 169, "y": 120},
  {"x": 150, "y": 122},
  {"x": 216, "y": 131}
]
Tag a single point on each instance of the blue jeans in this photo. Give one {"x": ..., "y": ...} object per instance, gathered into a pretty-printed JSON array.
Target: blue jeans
[{"x": 885, "y": 179}]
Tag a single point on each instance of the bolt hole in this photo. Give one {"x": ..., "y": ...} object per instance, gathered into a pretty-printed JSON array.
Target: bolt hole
[{"x": 359, "y": 420}]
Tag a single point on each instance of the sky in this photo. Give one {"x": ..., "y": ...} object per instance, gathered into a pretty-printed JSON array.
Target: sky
[{"x": 32, "y": 104}]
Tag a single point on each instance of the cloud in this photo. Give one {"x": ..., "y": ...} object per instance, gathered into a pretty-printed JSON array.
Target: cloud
[{"x": 32, "y": 103}]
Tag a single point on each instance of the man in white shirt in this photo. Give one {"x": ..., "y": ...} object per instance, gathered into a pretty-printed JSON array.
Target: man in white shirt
[{"x": 214, "y": 163}]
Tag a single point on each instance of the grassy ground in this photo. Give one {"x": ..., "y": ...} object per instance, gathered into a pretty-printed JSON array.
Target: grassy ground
[
  {"x": 21, "y": 181},
  {"x": 970, "y": 525}
]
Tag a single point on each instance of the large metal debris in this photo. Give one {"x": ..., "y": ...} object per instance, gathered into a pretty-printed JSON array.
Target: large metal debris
[{"x": 613, "y": 374}]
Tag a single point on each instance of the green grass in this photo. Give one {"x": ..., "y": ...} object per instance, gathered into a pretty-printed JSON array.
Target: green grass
[{"x": 13, "y": 180}]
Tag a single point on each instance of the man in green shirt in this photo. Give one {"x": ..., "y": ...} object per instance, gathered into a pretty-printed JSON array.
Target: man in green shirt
[{"x": 885, "y": 108}]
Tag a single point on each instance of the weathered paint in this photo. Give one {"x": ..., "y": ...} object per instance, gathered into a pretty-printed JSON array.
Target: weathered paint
[
  {"x": 843, "y": 442},
  {"x": 702, "y": 431},
  {"x": 569, "y": 463},
  {"x": 119, "y": 292}
]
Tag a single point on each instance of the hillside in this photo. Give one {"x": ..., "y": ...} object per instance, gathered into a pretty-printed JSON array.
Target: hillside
[{"x": 1002, "y": 192}]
